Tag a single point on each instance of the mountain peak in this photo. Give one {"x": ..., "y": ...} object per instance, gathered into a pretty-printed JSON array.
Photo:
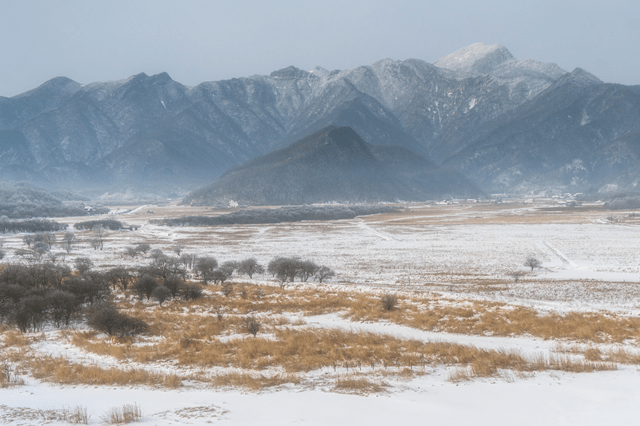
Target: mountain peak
[
  {"x": 289, "y": 73},
  {"x": 476, "y": 58},
  {"x": 55, "y": 85}
]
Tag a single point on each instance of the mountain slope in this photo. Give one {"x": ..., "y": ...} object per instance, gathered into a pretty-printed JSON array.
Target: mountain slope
[
  {"x": 333, "y": 164},
  {"x": 478, "y": 110},
  {"x": 579, "y": 133}
]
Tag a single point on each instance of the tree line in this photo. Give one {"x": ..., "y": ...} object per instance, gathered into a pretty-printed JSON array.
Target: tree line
[
  {"x": 279, "y": 215},
  {"x": 30, "y": 225}
]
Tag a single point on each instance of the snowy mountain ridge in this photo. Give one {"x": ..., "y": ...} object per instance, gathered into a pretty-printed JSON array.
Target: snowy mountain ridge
[{"x": 153, "y": 132}]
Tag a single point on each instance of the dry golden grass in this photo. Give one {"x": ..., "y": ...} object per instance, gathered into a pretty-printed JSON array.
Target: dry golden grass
[
  {"x": 128, "y": 413},
  {"x": 459, "y": 374},
  {"x": 358, "y": 385},
  {"x": 429, "y": 313},
  {"x": 617, "y": 355},
  {"x": 304, "y": 350},
  {"x": 8, "y": 377},
  {"x": 253, "y": 382},
  {"x": 60, "y": 370},
  {"x": 77, "y": 415},
  {"x": 15, "y": 339}
]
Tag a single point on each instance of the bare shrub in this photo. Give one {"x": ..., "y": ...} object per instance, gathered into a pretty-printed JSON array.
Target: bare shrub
[
  {"x": 8, "y": 378},
  {"x": 251, "y": 325},
  {"x": 219, "y": 313},
  {"x": 227, "y": 289},
  {"x": 389, "y": 301},
  {"x": 77, "y": 415},
  {"x": 131, "y": 252},
  {"x": 244, "y": 291},
  {"x": 107, "y": 320},
  {"x": 128, "y": 413},
  {"x": 191, "y": 291},
  {"x": 516, "y": 275},
  {"x": 220, "y": 275}
]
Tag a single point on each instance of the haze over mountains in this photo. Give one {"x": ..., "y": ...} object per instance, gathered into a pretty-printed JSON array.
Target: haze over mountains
[
  {"x": 509, "y": 125},
  {"x": 334, "y": 165}
]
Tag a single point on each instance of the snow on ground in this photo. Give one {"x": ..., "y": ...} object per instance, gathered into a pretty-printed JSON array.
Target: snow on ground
[
  {"x": 547, "y": 398},
  {"x": 462, "y": 252}
]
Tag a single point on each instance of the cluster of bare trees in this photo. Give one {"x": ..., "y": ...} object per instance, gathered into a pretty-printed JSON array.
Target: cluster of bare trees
[{"x": 286, "y": 269}]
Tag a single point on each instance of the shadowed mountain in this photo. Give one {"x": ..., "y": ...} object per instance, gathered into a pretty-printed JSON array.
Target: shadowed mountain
[{"x": 333, "y": 164}]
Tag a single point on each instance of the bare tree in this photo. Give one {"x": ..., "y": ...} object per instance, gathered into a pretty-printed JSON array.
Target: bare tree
[
  {"x": 119, "y": 277},
  {"x": 177, "y": 249},
  {"x": 306, "y": 269},
  {"x": 324, "y": 273},
  {"x": 68, "y": 239},
  {"x": 156, "y": 254},
  {"x": 220, "y": 275},
  {"x": 83, "y": 264},
  {"x": 205, "y": 267},
  {"x": 532, "y": 262},
  {"x": 161, "y": 293},
  {"x": 188, "y": 260},
  {"x": 95, "y": 243},
  {"x": 144, "y": 286},
  {"x": 250, "y": 267},
  {"x": 100, "y": 233},
  {"x": 143, "y": 247}
]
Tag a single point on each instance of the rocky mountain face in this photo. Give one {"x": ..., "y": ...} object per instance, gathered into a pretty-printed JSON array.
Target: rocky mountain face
[
  {"x": 333, "y": 164},
  {"x": 463, "y": 111}
]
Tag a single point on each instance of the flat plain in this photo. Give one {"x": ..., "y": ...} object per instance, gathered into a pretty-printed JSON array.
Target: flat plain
[{"x": 465, "y": 341}]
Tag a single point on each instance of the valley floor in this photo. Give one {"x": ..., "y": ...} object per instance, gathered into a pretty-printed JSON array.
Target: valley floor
[{"x": 466, "y": 345}]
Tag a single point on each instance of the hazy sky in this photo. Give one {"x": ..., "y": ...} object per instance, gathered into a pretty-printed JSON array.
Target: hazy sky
[{"x": 204, "y": 40}]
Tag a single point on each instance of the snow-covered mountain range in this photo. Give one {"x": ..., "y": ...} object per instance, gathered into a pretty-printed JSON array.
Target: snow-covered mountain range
[{"x": 510, "y": 125}]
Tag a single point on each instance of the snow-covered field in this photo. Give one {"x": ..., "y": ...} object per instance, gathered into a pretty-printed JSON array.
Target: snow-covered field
[{"x": 465, "y": 252}]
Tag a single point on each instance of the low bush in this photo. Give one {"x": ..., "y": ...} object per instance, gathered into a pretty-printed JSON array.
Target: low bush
[{"x": 108, "y": 320}]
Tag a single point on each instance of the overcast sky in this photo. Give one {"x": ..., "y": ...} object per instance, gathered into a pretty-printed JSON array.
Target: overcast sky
[{"x": 204, "y": 40}]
